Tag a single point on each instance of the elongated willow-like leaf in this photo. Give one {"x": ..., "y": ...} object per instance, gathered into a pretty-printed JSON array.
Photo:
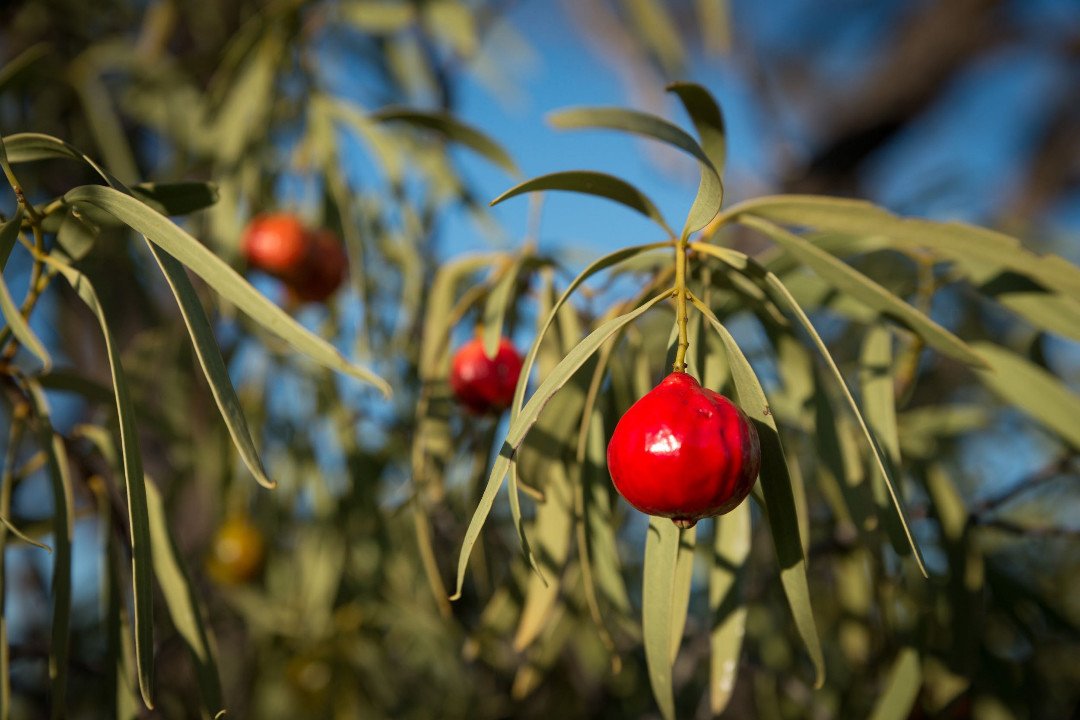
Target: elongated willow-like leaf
[
  {"x": 497, "y": 304},
  {"x": 879, "y": 457},
  {"x": 707, "y": 119},
  {"x": 658, "y": 603},
  {"x": 727, "y": 607},
  {"x": 779, "y": 499},
  {"x": 182, "y": 602},
  {"x": 600, "y": 521},
  {"x": 16, "y": 65},
  {"x": 452, "y": 129},
  {"x": 876, "y": 370},
  {"x": 213, "y": 365},
  {"x": 848, "y": 280},
  {"x": 631, "y": 121},
  {"x": 972, "y": 247},
  {"x": 590, "y": 182},
  {"x": 680, "y": 591},
  {"x": 63, "y": 527},
  {"x": 178, "y": 198},
  {"x": 901, "y": 687},
  {"x": 141, "y": 563},
  {"x": 520, "y": 426},
  {"x": 20, "y": 328},
  {"x": 9, "y": 234},
  {"x": 222, "y": 278},
  {"x": 1032, "y": 389}
]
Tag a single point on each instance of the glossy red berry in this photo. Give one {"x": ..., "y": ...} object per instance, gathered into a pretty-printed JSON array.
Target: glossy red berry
[
  {"x": 277, "y": 244},
  {"x": 684, "y": 452},
  {"x": 484, "y": 384},
  {"x": 323, "y": 268}
]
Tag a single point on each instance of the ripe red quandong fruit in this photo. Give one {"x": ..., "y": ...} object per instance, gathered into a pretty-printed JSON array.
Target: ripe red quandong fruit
[
  {"x": 276, "y": 243},
  {"x": 323, "y": 268},
  {"x": 484, "y": 384},
  {"x": 684, "y": 452}
]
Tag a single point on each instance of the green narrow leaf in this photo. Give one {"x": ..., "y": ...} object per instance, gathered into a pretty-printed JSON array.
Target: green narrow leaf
[
  {"x": 378, "y": 17},
  {"x": 776, "y": 485},
  {"x": 657, "y": 608},
  {"x": 211, "y": 362},
  {"x": 876, "y": 371},
  {"x": 727, "y": 607},
  {"x": 244, "y": 112},
  {"x": 222, "y": 278},
  {"x": 496, "y": 306},
  {"x": 1035, "y": 391},
  {"x": 182, "y": 602},
  {"x": 658, "y": 29},
  {"x": 879, "y": 457},
  {"x": 77, "y": 235},
  {"x": 973, "y": 247},
  {"x": 19, "y": 64},
  {"x": 9, "y": 234},
  {"x": 705, "y": 114},
  {"x": 63, "y": 526},
  {"x": 849, "y": 280},
  {"x": 602, "y": 540},
  {"x": 141, "y": 563},
  {"x": 177, "y": 198},
  {"x": 20, "y": 328},
  {"x": 680, "y": 591},
  {"x": 631, "y": 121},
  {"x": 901, "y": 688},
  {"x": 590, "y": 182},
  {"x": 520, "y": 426},
  {"x": 452, "y": 129},
  {"x": 383, "y": 146}
]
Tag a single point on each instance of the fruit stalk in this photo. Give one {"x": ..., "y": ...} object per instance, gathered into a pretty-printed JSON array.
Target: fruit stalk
[{"x": 680, "y": 305}]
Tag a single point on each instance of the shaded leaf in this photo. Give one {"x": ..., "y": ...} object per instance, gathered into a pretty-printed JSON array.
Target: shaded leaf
[
  {"x": 20, "y": 328},
  {"x": 452, "y": 129},
  {"x": 658, "y": 607},
  {"x": 727, "y": 607},
  {"x": 177, "y": 198},
  {"x": 632, "y": 121},
  {"x": 9, "y": 235},
  {"x": 680, "y": 589},
  {"x": 901, "y": 688}
]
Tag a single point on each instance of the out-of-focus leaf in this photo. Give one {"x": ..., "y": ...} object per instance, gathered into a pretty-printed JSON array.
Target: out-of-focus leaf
[
  {"x": 849, "y": 280},
  {"x": 104, "y": 122},
  {"x": 211, "y": 362},
  {"x": 1032, "y": 389},
  {"x": 63, "y": 527},
  {"x": 378, "y": 140},
  {"x": 1045, "y": 310},
  {"x": 658, "y": 603},
  {"x": 947, "y": 501},
  {"x": 179, "y": 198},
  {"x": 543, "y": 654},
  {"x": 182, "y": 602},
  {"x": 452, "y": 129},
  {"x": 590, "y": 182},
  {"x": 707, "y": 118},
  {"x": 189, "y": 251},
  {"x": 520, "y": 426},
  {"x": 602, "y": 539},
  {"x": 714, "y": 21},
  {"x": 727, "y": 607},
  {"x": 901, "y": 687},
  {"x": 964, "y": 244},
  {"x": 876, "y": 371},
  {"x": 20, "y": 328},
  {"x": 245, "y": 109},
  {"x": 776, "y": 485},
  {"x": 680, "y": 589},
  {"x": 9, "y": 235},
  {"x": 657, "y": 28},
  {"x": 922, "y": 428},
  {"x": 379, "y": 17},
  {"x": 14, "y": 67},
  {"x": 142, "y": 569},
  {"x": 551, "y": 536},
  {"x": 453, "y": 22},
  {"x": 496, "y": 306}
]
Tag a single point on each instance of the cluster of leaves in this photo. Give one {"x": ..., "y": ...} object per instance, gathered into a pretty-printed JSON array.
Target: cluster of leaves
[{"x": 572, "y": 603}]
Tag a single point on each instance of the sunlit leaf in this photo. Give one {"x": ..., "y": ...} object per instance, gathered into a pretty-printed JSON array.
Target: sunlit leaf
[
  {"x": 776, "y": 485},
  {"x": 901, "y": 688},
  {"x": 520, "y": 426},
  {"x": 658, "y": 607},
  {"x": 380, "y": 17},
  {"x": 631, "y": 121},
  {"x": 727, "y": 607},
  {"x": 497, "y": 304},
  {"x": 589, "y": 182}
]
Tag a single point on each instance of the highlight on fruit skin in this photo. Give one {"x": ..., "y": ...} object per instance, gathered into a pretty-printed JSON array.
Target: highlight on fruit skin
[
  {"x": 482, "y": 384},
  {"x": 237, "y": 552},
  {"x": 276, "y": 243},
  {"x": 684, "y": 452}
]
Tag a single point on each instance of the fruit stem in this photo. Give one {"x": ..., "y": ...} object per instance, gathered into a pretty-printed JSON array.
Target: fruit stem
[{"x": 680, "y": 305}]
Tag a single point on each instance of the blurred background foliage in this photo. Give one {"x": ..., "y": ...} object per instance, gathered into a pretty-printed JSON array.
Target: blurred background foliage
[{"x": 949, "y": 109}]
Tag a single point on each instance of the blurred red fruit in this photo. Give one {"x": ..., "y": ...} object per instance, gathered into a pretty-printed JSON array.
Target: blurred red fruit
[
  {"x": 323, "y": 270},
  {"x": 484, "y": 384},
  {"x": 276, "y": 243}
]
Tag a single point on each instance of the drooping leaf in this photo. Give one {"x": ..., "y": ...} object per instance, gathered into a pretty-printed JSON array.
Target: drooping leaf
[
  {"x": 528, "y": 416},
  {"x": 776, "y": 486},
  {"x": 452, "y": 129},
  {"x": 680, "y": 589},
  {"x": 599, "y": 519},
  {"x": 9, "y": 234},
  {"x": 211, "y": 362},
  {"x": 63, "y": 528},
  {"x": 901, "y": 687},
  {"x": 590, "y": 182},
  {"x": 631, "y": 121},
  {"x": 705, "y": 114},
  {"x": 141, "y": 563},
  {"x": 378, "y": 17},
  {"x": 17, "y": 65},
  {"x": 20, "y": 328},
  {"x": 1035, "y": 391},
  {"x": 727, "y": 607},
  {"x": 497, "y": 304},
  {"x": 849, "y": 280},
  {"x": 658, "y": 607},
  {"x": 182, "y": 602},
  {"x": 222, "y": 278}
]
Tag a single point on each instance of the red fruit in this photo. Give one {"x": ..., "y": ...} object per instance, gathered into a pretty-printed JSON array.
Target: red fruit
[
  {"x": 276, "y": 243},
  {"x": 323, "y": 270},
  {"x": 484, "y": 384},
  {"x": 684, "y": 452}
]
